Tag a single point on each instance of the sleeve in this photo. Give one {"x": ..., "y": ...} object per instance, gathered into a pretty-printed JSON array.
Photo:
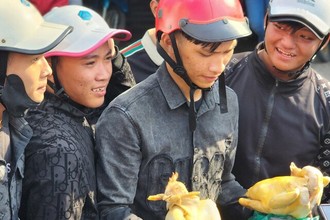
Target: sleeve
[
  {"x": 122, "y": 77},
  {"x": 118, "y": 158},
  {"x": 322, "y": 161}
]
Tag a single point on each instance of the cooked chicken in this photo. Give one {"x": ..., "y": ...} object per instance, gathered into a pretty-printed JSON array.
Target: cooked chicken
[
  {"x": 294, "y": 195},
  {"x": 184, "y": 205}
]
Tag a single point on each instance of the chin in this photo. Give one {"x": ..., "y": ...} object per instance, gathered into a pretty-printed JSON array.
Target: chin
[
  {"x": 38, "y": 99},
  {"x": 94, "y": 104}
]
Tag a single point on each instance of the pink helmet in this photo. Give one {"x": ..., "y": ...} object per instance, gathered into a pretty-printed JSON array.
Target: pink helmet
[
  {"x": 204, "y": 20},
  {"x": 90, "y": 30}
]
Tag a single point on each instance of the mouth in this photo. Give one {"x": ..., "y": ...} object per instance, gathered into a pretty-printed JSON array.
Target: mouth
[
  {"x": 100, "y": 91},
  {"x": 211, "y": 78},
  {"x": 42, "y": 87},
  {"x": 286, "y": 54}
]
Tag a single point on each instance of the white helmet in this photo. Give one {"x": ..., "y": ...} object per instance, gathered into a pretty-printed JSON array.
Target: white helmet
[
  {"x": 90, "y": 30},
  {"x": 314, "y": 14},
  {"x": 23, "y": 29}
]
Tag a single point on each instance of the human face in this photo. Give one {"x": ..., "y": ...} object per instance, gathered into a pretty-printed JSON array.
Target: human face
[
  {"x": 33, "y": 71},
  {"x": 204, "y": 66},
  {"x": 86, "y": 78},
  {"x": 288, "y": 50}
]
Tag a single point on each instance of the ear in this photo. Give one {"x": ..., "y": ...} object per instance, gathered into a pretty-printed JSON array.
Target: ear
[
  {"x": 265, "y": 21},
  {"x": 153, "y": 6},
  {"x": 166, "y": 43}
]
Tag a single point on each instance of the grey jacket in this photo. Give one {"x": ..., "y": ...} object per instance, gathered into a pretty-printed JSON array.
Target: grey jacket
[
  {"x": 15, "y": 135},
  {"x": 151, "y": 139}
]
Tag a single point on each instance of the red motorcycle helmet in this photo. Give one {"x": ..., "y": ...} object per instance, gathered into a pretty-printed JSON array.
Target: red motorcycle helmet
[{"x": 204, "y": 20}]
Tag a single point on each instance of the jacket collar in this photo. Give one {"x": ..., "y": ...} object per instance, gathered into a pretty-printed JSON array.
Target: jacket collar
[
  {"x": 174, "y": 96},
  {"x": 265, "y": 76}
]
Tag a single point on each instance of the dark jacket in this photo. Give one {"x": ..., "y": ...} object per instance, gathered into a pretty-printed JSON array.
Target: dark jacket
[
  {"x": 59, "y": 167},
  {"x": 60, "y": 172},
  {"x": 279, "y": 121},
  {"x": 15, "y": 135}
]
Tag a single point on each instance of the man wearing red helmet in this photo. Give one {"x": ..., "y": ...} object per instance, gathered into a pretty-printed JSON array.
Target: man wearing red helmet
[{"x": 170, "y": 121}]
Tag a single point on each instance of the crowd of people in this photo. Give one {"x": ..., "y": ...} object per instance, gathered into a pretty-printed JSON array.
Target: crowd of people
[{"x": 89, "y": 130}]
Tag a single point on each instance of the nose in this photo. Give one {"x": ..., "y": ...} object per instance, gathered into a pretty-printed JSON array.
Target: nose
[
  {"x": 104, "y": 71},
  {"x": 288, "y": 40},
  {"x": 46, "y": 69},
  {"x": 218, "y": 65}
]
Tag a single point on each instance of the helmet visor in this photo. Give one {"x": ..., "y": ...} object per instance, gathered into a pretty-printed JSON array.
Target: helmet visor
[
  {"x": 218, "y": 31},
  {"x": 310, "y": 20},
  {"x": 43, "y": 39}
]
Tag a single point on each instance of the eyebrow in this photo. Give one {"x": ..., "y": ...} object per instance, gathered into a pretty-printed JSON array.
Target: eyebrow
[{"x": 90, "y": 56}]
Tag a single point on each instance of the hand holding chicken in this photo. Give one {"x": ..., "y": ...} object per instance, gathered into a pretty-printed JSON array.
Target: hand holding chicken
[
  {"x": 294, "y": 195},
  {"x": 184, "y": 205}
]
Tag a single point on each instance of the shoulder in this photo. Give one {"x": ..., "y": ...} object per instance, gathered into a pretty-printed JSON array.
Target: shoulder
[
  {"x": 236, "y": 60},
  {"x": 322, "y": 85},
  {"x": 132, "y": 48},
  {"x": 139, "y": 94}
]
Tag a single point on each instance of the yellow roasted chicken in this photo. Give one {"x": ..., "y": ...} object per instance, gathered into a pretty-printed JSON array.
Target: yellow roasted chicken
[
  {"x": 184, "y": 205},
  {"x": 294, "y": 195}
]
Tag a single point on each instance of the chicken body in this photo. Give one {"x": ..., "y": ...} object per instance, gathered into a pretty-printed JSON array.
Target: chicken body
[
  {"x": 294, "y": 195},
  {"x": 184, "y": 205}
]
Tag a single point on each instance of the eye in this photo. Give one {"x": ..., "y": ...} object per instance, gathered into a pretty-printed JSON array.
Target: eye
[
  {"x": 228, "y": 51},
  {"x": 278, "y": 26},
  {"x": 35, "y": 59},
  {"x": 305, "y": 37},
  {"x": 109, "y": 57},
  {"x": 205, "y": 54},
  {"x": 90, "y": 63}
]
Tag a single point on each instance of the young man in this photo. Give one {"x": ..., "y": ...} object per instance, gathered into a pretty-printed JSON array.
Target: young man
[
  {"x": 23, "y": 80},
  {"x": 142, "y": 55},
  {"x": 170, "y": 121},
  {"x": 60, "y": 174},
  {"x": 284, "y": 103}
]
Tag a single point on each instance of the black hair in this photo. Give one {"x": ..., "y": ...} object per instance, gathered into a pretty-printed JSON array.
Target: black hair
[
  {"x": 212, "y": 45},
  {"x": 3, "y": 66},
  {"x": 292, "y": 24}
]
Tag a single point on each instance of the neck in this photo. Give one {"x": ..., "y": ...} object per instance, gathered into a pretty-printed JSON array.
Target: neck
[
  {"x": 152, "y": 34},
  {"x": 277, "y": 73}
]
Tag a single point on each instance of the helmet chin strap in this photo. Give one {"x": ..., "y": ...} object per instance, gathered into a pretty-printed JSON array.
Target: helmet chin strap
[
  {"x": 56, "y": 85},
  {"x": 179, "y": 69}
]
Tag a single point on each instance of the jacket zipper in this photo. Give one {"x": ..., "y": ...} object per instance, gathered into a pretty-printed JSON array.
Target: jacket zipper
[{"x": 263, "y": 132}]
